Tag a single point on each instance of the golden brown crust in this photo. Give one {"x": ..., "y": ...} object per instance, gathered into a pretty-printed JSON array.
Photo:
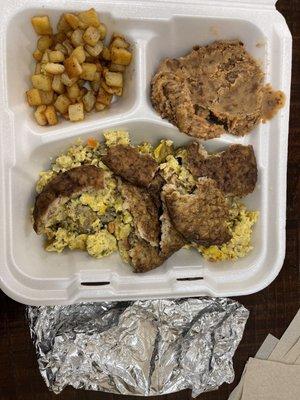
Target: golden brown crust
[
  {"x": 62, "y": 187},
  {"x": 202, "y": 216},
  {"x": 127, "y": 162},
  {"x": 234, "y": 169}
]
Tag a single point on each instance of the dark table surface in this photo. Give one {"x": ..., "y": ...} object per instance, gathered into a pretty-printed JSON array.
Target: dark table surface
[{"x": 271, "y": 310}]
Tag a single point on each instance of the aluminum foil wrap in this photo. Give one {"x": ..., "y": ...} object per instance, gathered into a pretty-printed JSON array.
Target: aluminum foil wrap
[{"x": 148, "y": 347}]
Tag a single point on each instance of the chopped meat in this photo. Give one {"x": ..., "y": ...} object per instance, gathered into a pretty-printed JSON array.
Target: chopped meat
[
  {"x": 155, "y": 189},
  {"x": 144, "y": 212},
  {"x": 143, "y": 257},
  {"x": 234, "y": 169},
  {"x": 201, "y": 217},
  {"x": 127, "y": 162},
  {"x": 61, "y": 188},
  {"x": 213, "y": 89}
]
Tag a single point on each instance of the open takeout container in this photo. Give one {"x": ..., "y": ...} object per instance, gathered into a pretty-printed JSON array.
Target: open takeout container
[{"x": 157, "y": 29}]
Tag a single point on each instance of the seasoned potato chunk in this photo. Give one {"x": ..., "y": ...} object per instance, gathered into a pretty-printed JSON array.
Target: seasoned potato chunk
[
  {"x": 47, "y": 97},
  {"x": 42, "y": 25},
  {"x": 77, "y": 38},
  {"x": 51, "y": 115},
  {"x": 57, "y": 85},
  {"x": 89, "y": 101},
  {"x": 89, "y": 18},
  {"x": 104, "y": 97},
  {"x": 79, "y": 53},
  {"x": 34, "y": 97},
  {"x": 113, "y": 79},
  {"x": 56, "y": 56},
  {"x": 120, "y": 56},
  {"x": 44, "y": 42},
  {"x": 67, "y": 81},
  {"x": 102, "y": 29},
  {"x": 76, "y": 112},
  {"x": 88, "y": 71},
  {"x": 54, "y": 68},
  {"x": 91, "y": 36},
  {"x": 37, "y": 55},
  {"x": 73, "y": 91},
  {"x": 73, "y": 67},
  {"x": 72, "y": 20},
  {"x": 94, "y": 51},
  {"x": 62, "y": 103},
  {"x": 41, "y": 82},
  {"x": 39, "y": 115}
]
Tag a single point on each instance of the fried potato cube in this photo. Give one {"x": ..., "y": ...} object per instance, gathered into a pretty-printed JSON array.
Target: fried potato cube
[
  {"x": 104, "y": 97},
  {"x": 72, "y": 20},
  {"x": 56, "y": 56},
  {"x": 45, "y": 58},
  {"x": 42, "y": 25},
  {"x": 108, "y": 89},
  {"x": 41, "y": 82},
  {"x": 73, "y": 91},
  {"x": 57, "y": 85},
  {"x": 116, "y": 67},
  {"x": 79, "y": 53},
  {"x": 94, "y": 51},
  {"x": 44, "y": 42},
  {"x": 54, "y": 68},
  {"x": 99, "y": 106},
  {"x": 89, "y": 18},
  {"x": 95, "y": 85},
  {"x": 59, "y": 37},
  {"x": 113, "y": 78},
  {"x": 51, "y": 115},
  {"x": 89, "y": 100},
  {"x": 77, "y": 38},
  {"x": 76, "y": 112},
  {"x": 34, "y": 97},
  {"x": 91, "y": 36},
  {"x": 119, "y": 42},
  {"x": 39, "y": 115},
  {"x": 73, "y": 68},
  {"x": 105, "y": 54},
  {"x": 62, "y": 103},
  {"x": 47, "y": 97},
  {"x": 62, "y": 25},
  {"x": 102, "y": 29},
  {"x": 68, "y": 46},
  {"x": 37, "y": 69},
  {"x": 67, "y": 81},
  {"x": 61, "y": 47},
  {"x": 118, "y": 91},
  {"x": 37, "y": 55},
  {"x": 97, "y": 76},
  {"x": 88, "y": 71},
  {"x": 120, "y": 56}
]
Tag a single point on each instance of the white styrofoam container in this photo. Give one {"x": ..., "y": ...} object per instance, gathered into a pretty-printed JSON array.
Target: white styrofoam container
[{"x": 157, "y": 29}]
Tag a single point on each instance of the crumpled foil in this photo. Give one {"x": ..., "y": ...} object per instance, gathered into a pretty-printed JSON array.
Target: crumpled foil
[{"x": 149, "y": 347}]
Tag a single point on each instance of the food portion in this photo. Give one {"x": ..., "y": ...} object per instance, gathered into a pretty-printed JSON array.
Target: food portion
[
  {"x": 76, "y": 69},
  {"x": 212, "y": 90},
  {"x": 145, "y": 202}
]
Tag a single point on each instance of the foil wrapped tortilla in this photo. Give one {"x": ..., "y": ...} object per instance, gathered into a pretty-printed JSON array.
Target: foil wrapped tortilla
[{"x": 149, "y": 347}]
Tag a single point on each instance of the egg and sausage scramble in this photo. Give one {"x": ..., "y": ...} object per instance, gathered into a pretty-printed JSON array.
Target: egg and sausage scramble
[{"x": 97, "y": 221}]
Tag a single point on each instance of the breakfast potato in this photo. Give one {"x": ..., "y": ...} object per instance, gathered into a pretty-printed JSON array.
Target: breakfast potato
[
  {"x": 79, "y": 53},
  {"x": 117, "y": 68},
  {"x": 105, "y": 54},
  {"x": 44, "y": 42},
  {"x": 46, "y": 97},
  {"x": 51, "y": 115},
  {"x": 89, "y": 100},
  {"x": 45, "y": 58},
  {"x": 89, "y": 18},
  {"x": 72, "y": 20},
  {"x": 120, "y": 56},
  {"x": 56, "y": 56},
  {"x": 62, "y": 103},
  {"x": 34, "y": 97},
  {"x": 102, "y": 29},
  {"x": 39, "y": 115},
  {"x": 37, "y": 69},
  {"x": 113, "y": 78},
  {"x": 41, "y": 82},
  {"x": 95, "y": 85},
  {"x": 108, "y": 89},
  {"x": 88, "y": 71},
  {"x": 42, "y": 25},
  {"x": 104, "y": 97},
  {"x": 99, "y": 106},
  {"x": 119, "y": 42},
  {"x": 59, "y": 37},
  {"x": 54, "y": 68},
  {"x": 73, "y": 91},
  {"x": 67, "y": 81},
  {"x": 61, "y": 47},
  {"x": 73, "y": 68},
  {"x": 57, "y": 85},
  {"x": 37, "y": 55},
  {"x": 67, "y": 44},
  {"x": 91, "y": 36},
  {"x": 94, "y": 51},
  {"x": 77, "y": 38},
  {"x": 62, "y": 25},
  {"x": 76, "y": 112}
]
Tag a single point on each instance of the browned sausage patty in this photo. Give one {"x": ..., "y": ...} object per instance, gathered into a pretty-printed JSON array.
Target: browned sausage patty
[
  {"x": 63, "y": 187},
  {"x": 234, "y": 169}
]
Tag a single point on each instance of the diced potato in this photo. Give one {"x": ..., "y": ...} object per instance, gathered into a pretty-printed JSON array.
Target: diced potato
[
  {"x": 41, "y": 82},
  {"x": 120, "y": 56},
  {"x": 77, "y": 38},
  {"x": 76, "y": 112},
  {"x": 95, "y": 85},
  {"x": 108, "y": 89},
  {"x": 102, "y": 29},
  {"x": 99, "y": 66},
  {"x": 56, "y": 56},
  {"x": 73, "y": 91},
  {"x": 45, "y": 58},
  {"x": 47, "y": 97},
  {"x": 117, "y": 68},
  {"x": 118, "y": 91},
  {"x": 37, "y": 55},
  {"x": 54, "y": 68},
  {"x": 94, "y": 51},
  {"x": 51, "y": 115},
  {"x": 89, "y": 18},
  {"x": 89, "y": 59},
  {"x": 72, "y": 20},
  {"x": 89, "y": 101},
  {"x": 42, "y": 25},
  {"x": 67, "y": 81},
  {"x": 39, "y": 115},
  {"x": 57, "y": 85},
  {"x": 62, "y": 25},
  {"x": 119, "y": 42},
  {"x": 37, "y": 69},
  {"x": 113, "y": 79},
  {"x": 44, "y": 42},
  {"x": 97, "y": 76},
  {"x": 34, "y": 97},
  {"x": 91, "y": 35},
  {"x": 73, "y": 68},
  {"x": 83, "y": 91},
  {"x": 68, "y": 46},
  {"x": 105, "y": 54},
  {"x": 88, "y": 71},
  {"x": 60, "y": 47},
  {"x": 104, "y": 97},
  {"x": 99, "y": 106},
  {"x": 69, "y": 35},
  {"x": 59, "y": 37},
  {"x": 62, "y": 103},
  {"x": 79, "y": 53}
]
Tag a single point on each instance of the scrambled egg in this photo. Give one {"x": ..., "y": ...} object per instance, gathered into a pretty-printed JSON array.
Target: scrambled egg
[
  {"x": 112, "y": 138},
  {"x": 164, "y": 149},
  {"x": 171, "y": 169},
  {"x": 241, "y": 223},
  {"x": 101, "y": 244}
]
